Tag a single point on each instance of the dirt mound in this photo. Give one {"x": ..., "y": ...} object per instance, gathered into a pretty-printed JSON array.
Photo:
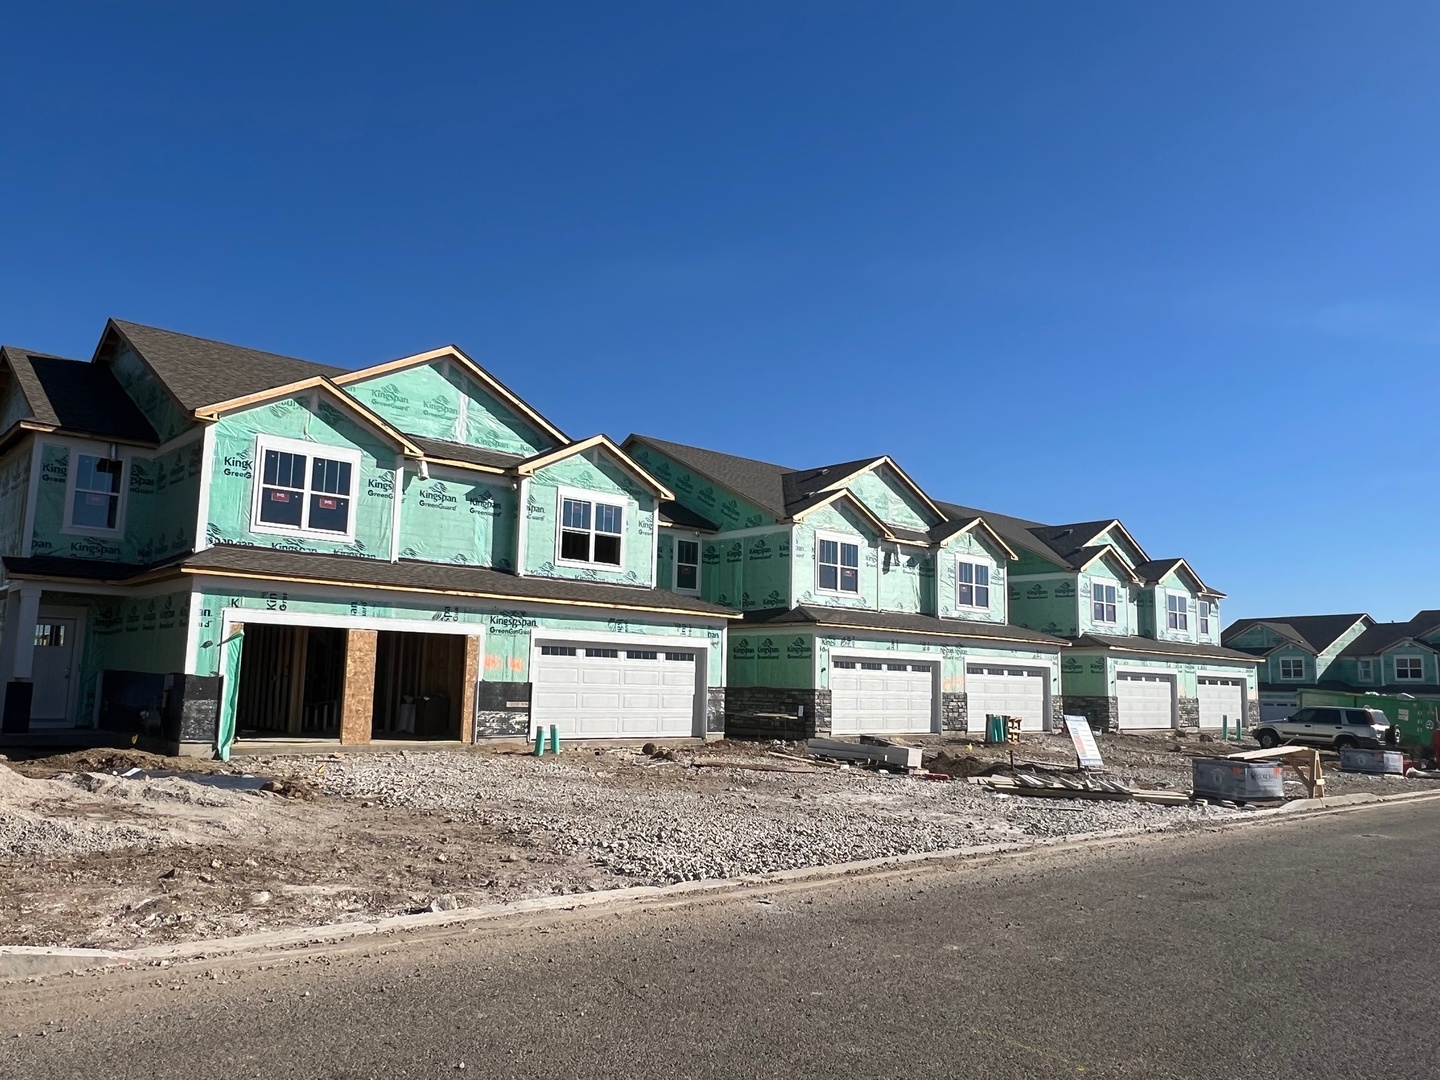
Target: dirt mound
[
  {"x": 110, "y": 759},
  {"x": 963, "y": 765}
]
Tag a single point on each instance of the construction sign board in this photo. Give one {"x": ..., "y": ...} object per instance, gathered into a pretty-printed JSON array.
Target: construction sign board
[{"x": 1087, "y": 751}]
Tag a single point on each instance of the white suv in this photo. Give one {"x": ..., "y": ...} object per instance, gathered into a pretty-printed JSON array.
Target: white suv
[{"x": 1327, "y": 726}]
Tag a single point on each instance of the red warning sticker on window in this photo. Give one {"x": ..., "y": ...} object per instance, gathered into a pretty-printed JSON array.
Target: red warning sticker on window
[
  {"x": 328, "y": 504},
  {"x": 279, "y": 496}
]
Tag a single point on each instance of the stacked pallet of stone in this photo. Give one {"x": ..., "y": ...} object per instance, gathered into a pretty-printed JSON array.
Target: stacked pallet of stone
[{"x": 1012, "y": 729}]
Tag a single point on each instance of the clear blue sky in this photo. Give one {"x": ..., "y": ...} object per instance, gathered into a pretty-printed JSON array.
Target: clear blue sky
[{"x": 1175, "y": 263}]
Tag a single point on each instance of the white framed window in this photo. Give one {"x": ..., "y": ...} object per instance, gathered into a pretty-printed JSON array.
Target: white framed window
[
  {"x": 1365, "y": 670},
  {"x": 972, "y": 585},
  {"x": 687, "y": 566},
  {"x": 1177, "y": 611},
  {"x": 1409, "y": 669},
  {"x": 95, "y": 484},
  {"x": 1103, "y": 602},
  {"x": 305, "y": 489},
  {"x": 1205, "y": 610},
  {"x": 1292, "y": 668},
  {"x": 592, "y": 530},
  {"x": 837, "y": 564}
]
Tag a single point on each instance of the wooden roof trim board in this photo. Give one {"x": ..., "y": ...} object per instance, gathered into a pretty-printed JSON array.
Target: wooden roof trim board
[
  {"x": 1109, "y": 550},
  {"x": 971, "y": 627},
  {"x": 1180, "y": 564},
  {"x": 469, "y": 466},
  {"x": 1229, "y": 656},
  {"x": 890, "y": 462},
  {"x": 458, "y": 356},
  {"x": 532, "y": 465},
  {"x": 865, "y": 512},
  {"x": 995, "y": 537},
  {"x": 327, "y": 386},
  {"x": 205, "y": 571},
  {"x": 1116, "y": 523}
]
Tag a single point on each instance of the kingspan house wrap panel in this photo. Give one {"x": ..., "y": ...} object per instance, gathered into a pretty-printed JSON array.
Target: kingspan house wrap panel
[
  {"x": 509, "y": 626},
  {"x": 441, "y": 401},
  {"x": 236, "y": 472},
  {"x": 591, "y": 472},
  {"x": 458, "y": 517}
]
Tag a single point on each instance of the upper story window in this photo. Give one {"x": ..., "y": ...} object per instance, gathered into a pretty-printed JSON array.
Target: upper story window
[
  {"x": 972, "y": 584},
  {"x": 687, "y": 566},
  {"x": 1292, "y": 667},
  {"x": 1365, "y": 670},
  {"x": 1103, "y": 599},
  {"x": 95, "y": 486},
  {"x": 1177, "y": 611},
  {"x": 837, "y": 565},
  {"x": 1205, "y": 610},
  {"x": 306, "y": 489},
  {"x": 591, "y": 531},
  {"x": 1409, "y": 669}
]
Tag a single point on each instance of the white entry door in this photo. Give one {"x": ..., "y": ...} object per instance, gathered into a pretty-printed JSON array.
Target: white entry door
[
  {"x": 1221, "y": 699},
  {"x": 1146, "y": 701},
  {"x": 600, "y": 692},
  {"x": 53, "y": 673},
  {"x": 992, "y": 690},
  {"x": 871, "y": 697}
]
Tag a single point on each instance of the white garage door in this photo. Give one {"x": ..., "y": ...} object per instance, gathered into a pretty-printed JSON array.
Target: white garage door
[
  {"x": 1004, "y": 691},
  {"x": 595, "y": 692},
  {"x": 1276, "y": 708},
  {"x": 1146, "y": 701},
  {"x": 870, "y": 698},
  {"x": 1221, "y": 699}
]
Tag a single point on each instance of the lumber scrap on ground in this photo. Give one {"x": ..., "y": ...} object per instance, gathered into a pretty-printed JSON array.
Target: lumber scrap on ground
[{"x": 899, "y": 757}]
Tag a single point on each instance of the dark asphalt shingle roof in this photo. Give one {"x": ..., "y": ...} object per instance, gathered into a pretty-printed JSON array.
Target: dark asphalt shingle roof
[
  {"x": 77, "y": 396},
  {"x": 463, "y": 580},
  {"x": 200, "y": 372},
  {"x": 861, "y": 619},
  {"x": 1151, "y": 646},
  {"x": 57, "y": 566},
  {"x": 1317, "y": 631},
  {"x": 1382, "y": 635},
  {"x": 471, "y": 455}
]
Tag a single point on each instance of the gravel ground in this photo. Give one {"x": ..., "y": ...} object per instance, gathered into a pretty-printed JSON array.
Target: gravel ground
[
  {"x": 662, "y": 822},
  {"x": 88, "y": 857}
]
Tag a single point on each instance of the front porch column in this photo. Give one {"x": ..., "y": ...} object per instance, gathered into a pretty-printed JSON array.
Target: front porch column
[
  {"x": 468, "y": 679},
  {"x": 24, "y": 663},
  {"x": 20, "y": 658},
  {"x": 358, "y": 697}
]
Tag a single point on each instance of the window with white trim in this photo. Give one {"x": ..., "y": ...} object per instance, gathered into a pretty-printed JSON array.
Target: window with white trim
[
  {"x": 1204, "y": 618},
  {"x": 1177, "y": 611},
  {"x": 687, "y": 566},
  {"x": 1365, "y": 670},
  {"x": 1103, "y": 602},
  {"x": 1292, "y": 668},
  {"x": 95, "y": 487},
  {"x": 591, "y": 531},
  {"x": 972, "y": 585},
  {"x": 306, "y": 489},
  {"x": 837, "y": 565},
  {"x": 1409, "y": 669}
]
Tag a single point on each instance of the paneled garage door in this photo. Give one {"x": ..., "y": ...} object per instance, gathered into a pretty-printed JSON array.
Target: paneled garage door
[
  {"x": 870, "y": 697},
  {"x": 1146, "y": 701},
  {"x": 1004, "y": 691},
  {"x": 1221, "y": 699},
  {"x": 595, "y": 692}
]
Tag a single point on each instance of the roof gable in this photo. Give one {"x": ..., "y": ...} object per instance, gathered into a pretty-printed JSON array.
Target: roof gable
[
  {"x": 893, "y": 496},
  {"x": 444, "y": 394},
  {"x": 602, "y": 445},
  {"x": 320, "y": 387},
  {"x": 1320, "y": 632}
]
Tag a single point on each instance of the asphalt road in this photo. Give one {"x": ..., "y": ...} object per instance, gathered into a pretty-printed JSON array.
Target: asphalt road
[{"x": 1306, "y": 949}]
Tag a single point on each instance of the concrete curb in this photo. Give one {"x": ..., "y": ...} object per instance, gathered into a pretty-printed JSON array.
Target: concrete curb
[{"x": 22, "y": 961}]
